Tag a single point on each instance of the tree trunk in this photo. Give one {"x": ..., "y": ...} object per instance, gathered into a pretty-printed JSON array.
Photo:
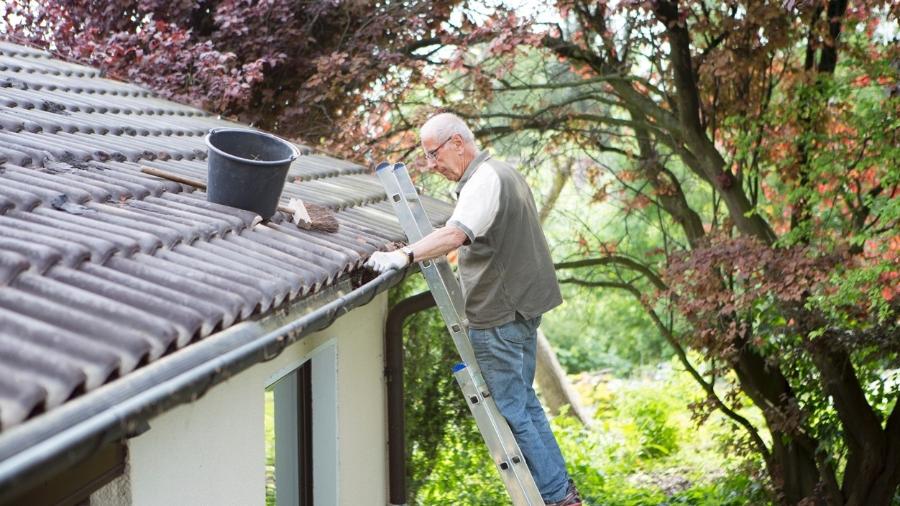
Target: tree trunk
[
  {"x": 556, "y": 389},
  {"x": 560, "y": 177},
  {"x": 793, "y": 467}
]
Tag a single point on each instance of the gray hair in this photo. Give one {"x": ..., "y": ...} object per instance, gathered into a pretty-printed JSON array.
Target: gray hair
[{"x": 445, "y": 125}]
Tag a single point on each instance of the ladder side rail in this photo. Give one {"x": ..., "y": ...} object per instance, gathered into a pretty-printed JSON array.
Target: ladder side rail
[
  {"x": 440, "y": 278},
  {"x": 438, "y": 275},
  {"x": 443, "y": 284},
  {"x": 420, "y": 217},
  {"x": 407, "y": 201},
  {"x": 501, "y": 444},
  {"x": 455, "y": 323},
  {"x": 415, "y": 224},
  {"x": 410, "y": 195}
]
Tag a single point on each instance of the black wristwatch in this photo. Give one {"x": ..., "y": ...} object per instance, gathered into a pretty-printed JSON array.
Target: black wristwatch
[{"x": 409, "y": 253}]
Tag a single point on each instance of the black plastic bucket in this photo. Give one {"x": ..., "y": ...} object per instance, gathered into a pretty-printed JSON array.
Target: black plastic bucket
[{"x": 247, "y": 169}]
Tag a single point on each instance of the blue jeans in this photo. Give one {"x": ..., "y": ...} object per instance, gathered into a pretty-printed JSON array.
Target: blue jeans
[{"x": 506, "y": 355}]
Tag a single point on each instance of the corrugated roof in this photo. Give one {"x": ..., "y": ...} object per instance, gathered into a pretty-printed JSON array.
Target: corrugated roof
[{"x": 104, "y": 269}]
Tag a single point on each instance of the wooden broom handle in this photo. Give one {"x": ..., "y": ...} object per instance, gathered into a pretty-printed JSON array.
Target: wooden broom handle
[{"x": 196, "y": 183}]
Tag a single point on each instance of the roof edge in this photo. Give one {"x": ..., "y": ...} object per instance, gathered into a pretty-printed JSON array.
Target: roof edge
[{"x": 62, "y": 437}]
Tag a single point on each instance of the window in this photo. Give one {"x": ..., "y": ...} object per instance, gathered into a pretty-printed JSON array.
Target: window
[{"x": 289, "y": 439}]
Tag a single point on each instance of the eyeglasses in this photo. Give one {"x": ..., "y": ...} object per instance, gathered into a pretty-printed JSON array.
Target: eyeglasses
[{"x": 432, "y": 155}]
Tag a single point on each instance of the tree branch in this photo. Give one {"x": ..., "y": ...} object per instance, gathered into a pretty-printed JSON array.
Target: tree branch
[
  {"x": 615, "y": 260},
  {"x": 687, "y": 97},
  {"x": 672, "y": 200}
]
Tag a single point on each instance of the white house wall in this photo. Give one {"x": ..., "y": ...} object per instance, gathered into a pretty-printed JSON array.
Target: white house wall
[{"x": 211, "y": 452}]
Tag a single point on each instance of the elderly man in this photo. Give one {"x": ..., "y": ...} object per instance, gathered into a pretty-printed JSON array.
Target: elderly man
[{"x": 508, "y": 281}]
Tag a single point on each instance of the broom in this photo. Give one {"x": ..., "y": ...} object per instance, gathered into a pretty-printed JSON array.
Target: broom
[{"x": 305, "y": 215}]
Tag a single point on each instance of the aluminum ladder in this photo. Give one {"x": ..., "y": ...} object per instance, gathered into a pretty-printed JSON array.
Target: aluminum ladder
[{"x": 448, "y": 296}]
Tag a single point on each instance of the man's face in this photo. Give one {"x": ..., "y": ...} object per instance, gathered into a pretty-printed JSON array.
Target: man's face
[{"x": 444, "y": 156}]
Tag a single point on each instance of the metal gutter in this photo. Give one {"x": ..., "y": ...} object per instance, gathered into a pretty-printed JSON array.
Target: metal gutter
[
  {"x": 56, "y": 440},
  {"x": 393, "y": 371}
]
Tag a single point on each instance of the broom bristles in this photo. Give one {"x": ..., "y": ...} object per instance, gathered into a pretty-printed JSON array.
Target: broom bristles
[{"x": 321, "y": 218}]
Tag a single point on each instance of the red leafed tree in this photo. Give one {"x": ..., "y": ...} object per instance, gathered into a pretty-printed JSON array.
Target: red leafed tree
[
  {"x": 298, "y": 68},
  {"x": 759, "y": 140}
]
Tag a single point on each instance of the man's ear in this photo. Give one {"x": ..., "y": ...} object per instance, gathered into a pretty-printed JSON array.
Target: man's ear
[{"x": 458, "y": 141}]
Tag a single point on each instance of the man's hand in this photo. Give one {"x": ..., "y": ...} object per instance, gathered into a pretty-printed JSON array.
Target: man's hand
[{"x": 382, "y": 261}]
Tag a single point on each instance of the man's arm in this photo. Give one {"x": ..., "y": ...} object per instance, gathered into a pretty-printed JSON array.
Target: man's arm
[
  {"x": 438, "y": 243},
  {"x": 474, "y": 213},
  {"x": 434, "y": 245}
]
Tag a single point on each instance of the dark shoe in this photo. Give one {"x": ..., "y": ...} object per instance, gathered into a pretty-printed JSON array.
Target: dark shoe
[
  {"x": 573, "y": 489},
  {"x": 571, "y": 498}
]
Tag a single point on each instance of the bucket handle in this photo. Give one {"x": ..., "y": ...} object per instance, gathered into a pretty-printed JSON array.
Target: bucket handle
[{"x": 295, "y": 152}]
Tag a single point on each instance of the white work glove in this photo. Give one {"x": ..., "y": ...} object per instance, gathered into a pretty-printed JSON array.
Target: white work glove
[{"x": 383, "y": 261}]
